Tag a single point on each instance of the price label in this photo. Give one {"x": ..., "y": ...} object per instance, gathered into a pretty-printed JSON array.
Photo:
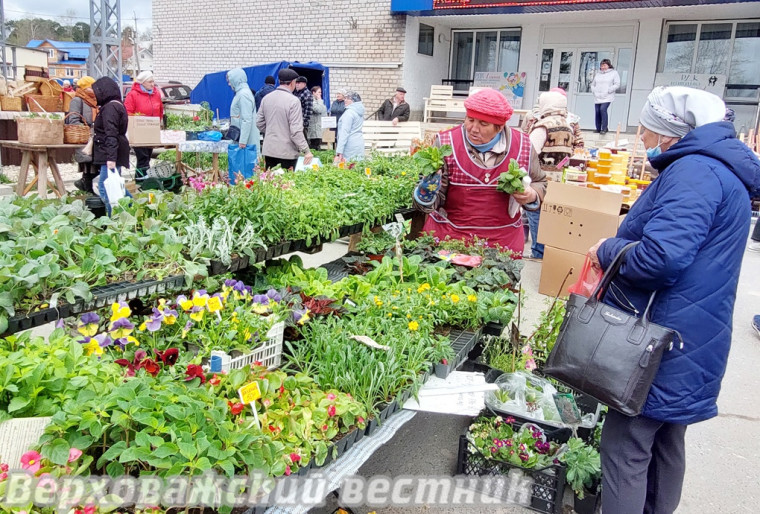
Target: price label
[
  {"x": 249, "y": 393},
  {"x": 399, "y": 218}
]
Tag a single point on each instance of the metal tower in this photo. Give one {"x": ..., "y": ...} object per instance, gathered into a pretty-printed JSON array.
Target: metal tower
[{"x": 105, "y": 37}]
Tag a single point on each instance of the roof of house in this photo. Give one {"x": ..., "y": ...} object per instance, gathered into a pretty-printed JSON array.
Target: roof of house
[{"x": 74, "y": 49}]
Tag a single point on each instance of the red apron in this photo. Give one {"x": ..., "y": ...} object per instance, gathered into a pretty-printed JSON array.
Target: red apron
[{"x": 473, "y": 206}]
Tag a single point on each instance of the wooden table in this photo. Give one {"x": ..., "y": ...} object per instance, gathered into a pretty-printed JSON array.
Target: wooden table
[{"x": 42, "y": 158}]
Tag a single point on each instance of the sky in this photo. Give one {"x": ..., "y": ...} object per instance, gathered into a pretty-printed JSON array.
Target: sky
[{"x": 55, "y": 9}]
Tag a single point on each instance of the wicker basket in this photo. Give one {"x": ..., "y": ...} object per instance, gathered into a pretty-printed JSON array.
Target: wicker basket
[
  {"x": 75, "y": 134},
  {"x": 68, "y": 96},
  {"x": 50, "y": 88},
  {"x": 42, "y": 103},
  {"x": 11, "y": 103},
  {"x": 40, "y": 131}
]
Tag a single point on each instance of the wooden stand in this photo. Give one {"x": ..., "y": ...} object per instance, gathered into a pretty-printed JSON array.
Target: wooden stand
[{"x": 41, "y": 158}]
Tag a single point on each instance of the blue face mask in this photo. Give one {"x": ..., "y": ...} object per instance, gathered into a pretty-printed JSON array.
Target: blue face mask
[
  {"x": 654, "y": 152},
  {"x": 485, "y": 147}
]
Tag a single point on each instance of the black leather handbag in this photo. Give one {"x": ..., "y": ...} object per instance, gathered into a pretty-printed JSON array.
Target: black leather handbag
[
  {"x": 608, "y": 353},
  {"x": 233, "y": 133}
]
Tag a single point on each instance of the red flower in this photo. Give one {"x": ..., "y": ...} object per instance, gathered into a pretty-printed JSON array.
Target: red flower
[
  {"x": 282, "y": 389},
  {"x": 168, "y": 357},
  {"x": 324, "y": 428},
  {"x": 445, "y": 362},
  {"x": 294, "y": 457},
  {"x": 215, "y": 380},
  {"x": 150, "y": 366},
  {"x": 196, "y": 118},
  {"x": 4, "y": 467},
  {"x": 331, "y": 410},
  {"x": 360, "y": 420},
  {"x": 89, "y": 509},
  {"x": 257, "y": 363},
  {"x": 130, "y": 367},
  {"x": 195, "y": 371},
  {"x": 235, "y": 408},
  {"x": 287, "y": 471}
]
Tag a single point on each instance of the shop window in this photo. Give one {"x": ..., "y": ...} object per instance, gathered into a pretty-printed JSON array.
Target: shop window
[
  {"x": 744, "y": 65},
  {"x": 475, "y": 51},
  {"x": 623, "y": 65},
  {"x": 509, "y": 50},
  {"x": 714, "y": 48},
  {"x": 679, "y": 50},
  {"x": 425, "y": 39},
  {"x": 461, "y": 54}
]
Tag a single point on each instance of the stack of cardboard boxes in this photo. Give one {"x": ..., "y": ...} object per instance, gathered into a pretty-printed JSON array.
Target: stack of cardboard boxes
[{"x": 573, "y": 219}]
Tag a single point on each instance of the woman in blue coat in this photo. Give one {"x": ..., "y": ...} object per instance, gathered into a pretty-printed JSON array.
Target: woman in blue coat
[
  {"x": 692, "y": 223},
  {"x": 243, "y": 109},
  {"x": 350, "y": 137}
]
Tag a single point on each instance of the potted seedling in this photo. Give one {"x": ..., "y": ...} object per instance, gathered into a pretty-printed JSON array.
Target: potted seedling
[{"x": 584, "y": 472}]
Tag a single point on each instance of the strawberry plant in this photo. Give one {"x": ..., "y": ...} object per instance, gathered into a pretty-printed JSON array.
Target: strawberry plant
[{"x": 511, "y": 181}]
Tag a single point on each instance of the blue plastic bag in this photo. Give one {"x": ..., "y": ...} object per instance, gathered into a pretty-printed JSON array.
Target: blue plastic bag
[
  {"x": 210, "y": 135},
  {"x": 241, "y": 160}
]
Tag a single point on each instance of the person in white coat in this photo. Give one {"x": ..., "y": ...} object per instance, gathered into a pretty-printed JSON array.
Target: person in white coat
[
  {"x": 350, "y": 138},
  {"x": 604, "y": 85}
]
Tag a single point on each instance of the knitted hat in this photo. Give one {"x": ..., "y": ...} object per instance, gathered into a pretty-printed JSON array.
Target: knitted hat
[
  {"x": 558, "y": 90},
  {"x": 489, "y": 105},
  {"x": 286, "y": 75},
  {"x": 143, "y": 76},
  {"x": 675, "y": 111},
  {"x": 85, "y": 82}
]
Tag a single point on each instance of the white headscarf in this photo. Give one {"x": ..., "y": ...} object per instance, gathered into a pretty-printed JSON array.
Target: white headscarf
[
  {"x": 143, "y": 76},
  {"x": 674, "y": 111}
]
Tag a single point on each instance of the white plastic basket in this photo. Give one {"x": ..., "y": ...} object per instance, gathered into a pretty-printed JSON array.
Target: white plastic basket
[{"x": 269, "y": 353}]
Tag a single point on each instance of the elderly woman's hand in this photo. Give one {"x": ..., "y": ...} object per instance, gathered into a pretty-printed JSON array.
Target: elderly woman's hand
[
  {"x": 592, "y": 253},
  {"x": 529, "y": 196}
]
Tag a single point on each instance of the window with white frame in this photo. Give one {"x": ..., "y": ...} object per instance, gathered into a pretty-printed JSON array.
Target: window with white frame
[
  {"x": 51, "y": 53},
  {"x": 723, "y": 47},
  {"x": 70, "y": 72},
  {"x": 472, "y": 51}
]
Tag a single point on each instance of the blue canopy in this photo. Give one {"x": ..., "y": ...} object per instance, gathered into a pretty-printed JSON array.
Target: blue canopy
[{"x": 213, "y": 87}]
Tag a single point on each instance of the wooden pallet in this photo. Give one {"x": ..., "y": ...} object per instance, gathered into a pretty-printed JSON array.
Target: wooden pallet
[{"x": 384, "y": 137}]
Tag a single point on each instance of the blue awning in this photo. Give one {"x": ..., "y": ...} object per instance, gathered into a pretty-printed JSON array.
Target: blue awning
[{"x": 465, "y": 7}]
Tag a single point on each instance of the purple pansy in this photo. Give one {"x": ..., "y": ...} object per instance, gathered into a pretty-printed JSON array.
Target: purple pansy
[
  {"x": 273, "y": 295},
  {"x": 122, "y": 323},
  {"x": 89, "y": 318},
  {"x": 103, "y": 340}
]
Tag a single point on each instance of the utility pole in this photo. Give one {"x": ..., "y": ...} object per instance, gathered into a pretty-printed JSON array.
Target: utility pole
[
  {"x": 2, "y": 35},
  {"x": 105, "y": 37},
  {"x": 137, "y": 46}
]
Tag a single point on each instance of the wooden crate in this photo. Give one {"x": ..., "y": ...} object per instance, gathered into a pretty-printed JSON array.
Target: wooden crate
[{"x": 384, "y": 137}]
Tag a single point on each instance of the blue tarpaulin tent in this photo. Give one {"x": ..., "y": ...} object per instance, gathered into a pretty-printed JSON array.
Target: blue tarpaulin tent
[{"x": 213, "y": 87}]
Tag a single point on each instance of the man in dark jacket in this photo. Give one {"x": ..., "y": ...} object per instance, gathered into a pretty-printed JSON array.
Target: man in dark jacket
[
  {"x": 691, "y": 224},
  {"x": 110, "y": 148},
  {"x": 395, "y": 109},
  {"x": 307, "y": 102},
  {"x": 267, "y": 88}
]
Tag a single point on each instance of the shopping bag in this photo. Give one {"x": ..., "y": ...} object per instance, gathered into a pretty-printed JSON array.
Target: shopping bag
[
  {"x": 114, "y": 185},
  {"x": 587, "y": 280},
  {"x": 241, "y": 161}
]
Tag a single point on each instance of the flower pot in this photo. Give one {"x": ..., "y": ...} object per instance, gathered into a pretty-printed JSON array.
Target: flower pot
[
  {"x": 217, "y": 268},
  {"x": 442, "y": 370},
  {"x": 261, "y": 254},
  {"x": 372, "y": 426},
  {"x": 587, "y": 505}
]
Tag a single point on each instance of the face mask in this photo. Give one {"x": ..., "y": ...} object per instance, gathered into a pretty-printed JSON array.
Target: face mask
[
  {"x": 654, "y": 152},
  {"x": 485, "y": 147}
]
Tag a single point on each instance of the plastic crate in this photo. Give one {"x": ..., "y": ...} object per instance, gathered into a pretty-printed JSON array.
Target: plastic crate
[
  {"x": 269, "y": 353},
  {"x": 548, "y": 483}
]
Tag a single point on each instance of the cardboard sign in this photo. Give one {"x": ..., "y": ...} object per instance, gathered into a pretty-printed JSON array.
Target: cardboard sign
[
  {"x": 710, "y": 82},
  {"x": 144, "y": 130},
  {"x": 329, "y": 122},
  {"x": 511, "y": 85},
  {"x": 249, "y": 393}
]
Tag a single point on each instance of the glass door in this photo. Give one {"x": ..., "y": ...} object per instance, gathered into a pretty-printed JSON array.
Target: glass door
[{"x": 580, "y": 100}]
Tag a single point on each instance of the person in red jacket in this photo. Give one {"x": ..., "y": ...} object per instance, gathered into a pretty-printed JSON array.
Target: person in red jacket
[{"x": 144, "y": 99}]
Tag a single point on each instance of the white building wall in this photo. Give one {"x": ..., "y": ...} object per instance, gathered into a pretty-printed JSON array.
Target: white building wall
[
  {"x": 422, "y": 71},
  {"x": 358, "y": 39}
]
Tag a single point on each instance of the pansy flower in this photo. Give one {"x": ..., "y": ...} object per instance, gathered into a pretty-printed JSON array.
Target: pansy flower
[
  {"x": 88, "y": 324},
  {"x": 214, "y": 304},
  {"x": 91, "y": 346},
  {"x": 273, "y": 295},
  {"x": 301, "y": 316},
  {"x": 121, "y": 327},
  {"x": 120, "y": 310},
  {"x": 195, "y": 371},
  {"x": 196, "y": 314},
  {"x": 184, "y": 303},
  {"x": 168, "y": 357}
]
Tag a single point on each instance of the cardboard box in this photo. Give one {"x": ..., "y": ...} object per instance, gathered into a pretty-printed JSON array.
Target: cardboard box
[
  {"x": 576, "y": 218},
  {"x": 144, "y": 130},
  {"x": 555, "y": 267}
]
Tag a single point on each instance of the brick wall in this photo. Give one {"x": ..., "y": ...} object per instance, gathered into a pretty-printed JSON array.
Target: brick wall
[{"x": 216, "y": 35}]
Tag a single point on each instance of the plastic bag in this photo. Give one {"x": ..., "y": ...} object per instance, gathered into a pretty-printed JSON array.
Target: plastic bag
[
  {"x": 587, "y": 280},
  {"x": 114, "y": 185},
  {"x": 525, "y": 395},
  {"x": 210, "y": 135},
  {"x": 241, "y": 161}
]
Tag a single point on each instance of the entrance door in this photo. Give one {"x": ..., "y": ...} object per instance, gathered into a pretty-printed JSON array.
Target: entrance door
[{"x": 573, "y": 69}]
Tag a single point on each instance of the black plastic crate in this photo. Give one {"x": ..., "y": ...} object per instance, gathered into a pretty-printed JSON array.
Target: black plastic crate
[
  {"x": 549, "y": 482},
  {"x": 336, "y": 270}
]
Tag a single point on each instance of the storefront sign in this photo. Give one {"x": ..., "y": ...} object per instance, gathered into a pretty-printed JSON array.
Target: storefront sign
[
  {"x": 511, "y": 85},
  {"x": 709, "y": 82}
]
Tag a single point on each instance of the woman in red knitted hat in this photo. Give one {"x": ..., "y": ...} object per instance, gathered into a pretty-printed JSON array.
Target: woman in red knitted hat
[{"x": 467, "y": 203}]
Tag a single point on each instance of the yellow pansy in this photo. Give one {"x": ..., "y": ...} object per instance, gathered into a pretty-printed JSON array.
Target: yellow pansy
[
  {"x": 472, "y": 298},
  {"x": 424, "y": 287},
  {"x": 214, "y": 304},
  {"x": 186, "y": 304},
  {"x": 259, "y": 308},
  {"x": 454, "y": 298},
  {"x": 118, "y": 312},
  {"x": 170, "y": 319},
  {"x": 197, "y": 316},
  {"x": 88, "y": 330},
  {"x": 367, "y": 171},
  {"x": 142, "y": 327},
  {"x": 413, "y": 325},
  {"x": 93, "y": 347},
  {"x": 200, "y": 301}
]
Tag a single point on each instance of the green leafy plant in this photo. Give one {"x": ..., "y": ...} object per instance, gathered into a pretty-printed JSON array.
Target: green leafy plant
[
  {"x": 511, "y": 181},
  {"x": 584, "y": 467},
  {"x": 429, "y": 159}
]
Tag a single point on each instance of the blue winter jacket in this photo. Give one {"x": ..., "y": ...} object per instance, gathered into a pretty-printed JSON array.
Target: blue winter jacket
[
  {"x": 243, "y": 109},
  {"x": 693, "y": 222}
]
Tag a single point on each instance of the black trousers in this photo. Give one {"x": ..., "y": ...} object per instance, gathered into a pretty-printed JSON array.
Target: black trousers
[
  {"x": 143, "y": 157},
  {"x": 756, "y": 232},
  {"x": 271, "y": 162},
  {"x": 643, "y": 465}
]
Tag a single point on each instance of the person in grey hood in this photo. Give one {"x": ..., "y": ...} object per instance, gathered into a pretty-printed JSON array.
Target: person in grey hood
[
  {"x": 350, "y": 137},
  {"x": 243, "y": 109}
]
